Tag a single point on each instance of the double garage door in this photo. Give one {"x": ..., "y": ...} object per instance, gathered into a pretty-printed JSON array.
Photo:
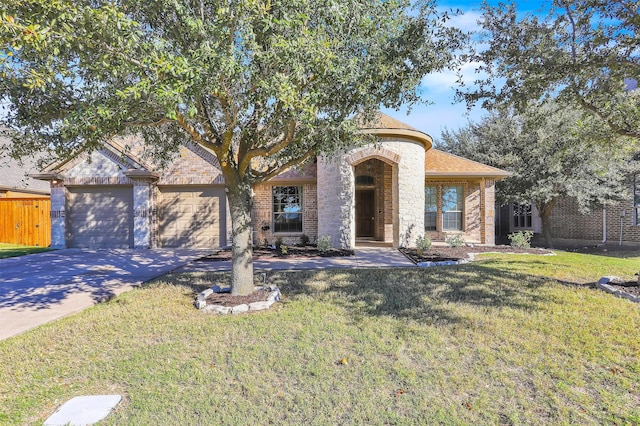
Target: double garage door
[{"x": 102, "y": 217}]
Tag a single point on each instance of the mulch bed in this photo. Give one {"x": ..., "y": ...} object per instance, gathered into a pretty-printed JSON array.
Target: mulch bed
[
  {"x": 439, "y": 254},
  {"x": 630, "y": 287},
  {"x": 269, "y": 253},
  {"x": 229, "y": 301}
]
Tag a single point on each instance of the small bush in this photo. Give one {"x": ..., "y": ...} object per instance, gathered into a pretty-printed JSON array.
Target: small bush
[
  {"x": 520, "y": 239},
  {"x": 278, "y": 242},
  {"x": 304, "y": 240},
  {"x": 455, "y": 240},
  {"x": 284, "y": 249},
  {"x": 423, "y": 243},
  {"x": 324, "y": 243}
]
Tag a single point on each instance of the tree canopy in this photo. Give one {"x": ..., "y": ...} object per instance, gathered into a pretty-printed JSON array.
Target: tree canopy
[
  {"x": 264, "y": 84},
  {"x": 552, "y": 152},
  {"x": 585, "y": 52}
]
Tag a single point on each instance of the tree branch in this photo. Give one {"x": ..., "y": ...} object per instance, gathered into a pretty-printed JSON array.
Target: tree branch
[
  {"x": 275, "y": 147},
  {"x": 612, "y": 124},
  {"x": 274, "y": 171}
]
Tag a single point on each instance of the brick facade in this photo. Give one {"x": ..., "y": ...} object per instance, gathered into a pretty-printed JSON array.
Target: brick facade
[
  {"x": 568, "y": 225},
  {"x": 396, "y": 165}
]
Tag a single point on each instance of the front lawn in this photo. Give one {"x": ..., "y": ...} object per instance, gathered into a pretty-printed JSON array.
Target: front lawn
[
  {"x": 509, "y": 339},
  {"x": 13, "y": 250}
]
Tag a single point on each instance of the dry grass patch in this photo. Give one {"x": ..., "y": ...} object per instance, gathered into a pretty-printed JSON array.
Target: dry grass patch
[{"x": 497, "y": 341}]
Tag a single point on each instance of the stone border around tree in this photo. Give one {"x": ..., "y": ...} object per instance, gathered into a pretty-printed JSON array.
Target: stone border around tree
[
  {"x": 603, "y": 284},
  {"x": 201, "y": 301}
]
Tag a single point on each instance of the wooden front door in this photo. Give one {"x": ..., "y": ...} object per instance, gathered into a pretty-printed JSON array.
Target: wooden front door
[{"x": 365, "y": 213}]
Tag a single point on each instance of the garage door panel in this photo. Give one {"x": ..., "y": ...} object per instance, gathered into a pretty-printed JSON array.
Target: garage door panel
[
  {"x": 100, "y": 217},
  {"x": 190, "y": 217}
]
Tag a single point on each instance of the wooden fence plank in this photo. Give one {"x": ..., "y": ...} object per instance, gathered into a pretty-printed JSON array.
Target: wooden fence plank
[{"x": 25, "y": 221}]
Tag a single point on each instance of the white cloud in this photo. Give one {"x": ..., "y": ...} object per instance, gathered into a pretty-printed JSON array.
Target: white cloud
[
  {"x": 446, "y": 81},
  {"x": 467, "y": 21}
]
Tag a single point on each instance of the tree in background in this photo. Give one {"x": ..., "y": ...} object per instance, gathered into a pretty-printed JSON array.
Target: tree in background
[
  {"x": 264, "y": 84},
  {"x": 552, "y": 152},
  {"x": 584, "y": 52}
]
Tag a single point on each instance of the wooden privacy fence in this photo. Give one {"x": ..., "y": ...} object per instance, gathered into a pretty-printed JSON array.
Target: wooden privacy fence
[{"x": 25, "y": 221}]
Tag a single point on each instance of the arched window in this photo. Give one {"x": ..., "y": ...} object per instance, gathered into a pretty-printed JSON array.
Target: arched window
[{"x": 364, "y": 180}]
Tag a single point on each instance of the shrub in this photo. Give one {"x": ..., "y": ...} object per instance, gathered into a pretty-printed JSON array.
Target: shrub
[
  {"x": 304, "y": 240},
  {"x": 324, "y": 243},
  {"x": 284, "y": 249},
  {"x": 278, "y": 242},
  {"x": 423, "y": 243},
  {"x": 455, "y": 240},
  {"x": 520, "y": 239}
]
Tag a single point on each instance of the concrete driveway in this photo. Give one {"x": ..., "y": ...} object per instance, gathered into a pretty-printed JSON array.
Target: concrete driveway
[{"x": 39, "y": 288}]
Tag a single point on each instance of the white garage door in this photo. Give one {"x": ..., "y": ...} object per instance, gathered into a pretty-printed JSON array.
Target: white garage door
[
  {"x": 192, "y": 216},
  {"x": 99, "y": 217}
]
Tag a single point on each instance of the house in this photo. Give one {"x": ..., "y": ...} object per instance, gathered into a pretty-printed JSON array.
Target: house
[
  {"x": 617, "y": 223},
  {"x": 390, "y": 192},
  {"x": 24, "y": 204}
]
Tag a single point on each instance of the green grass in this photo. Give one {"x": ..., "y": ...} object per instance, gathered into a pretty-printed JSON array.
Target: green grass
[
  {"x": 13, "y": 250},
  {"x": 510, "y": 339}
]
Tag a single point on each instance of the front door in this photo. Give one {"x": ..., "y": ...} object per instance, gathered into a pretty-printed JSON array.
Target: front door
[{"x": 365, "y": 213}]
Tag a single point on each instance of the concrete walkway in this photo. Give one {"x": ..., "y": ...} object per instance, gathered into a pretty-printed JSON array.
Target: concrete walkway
[
  {"x": 40, "y": 288},
  {"x": 370, "y": 257}
]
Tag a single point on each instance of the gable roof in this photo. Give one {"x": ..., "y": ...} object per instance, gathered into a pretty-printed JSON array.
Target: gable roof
[
  {"x": 15, "y": 174},
  {"x": 442, "y": 164},
  {"x": 15, "y": 177}
]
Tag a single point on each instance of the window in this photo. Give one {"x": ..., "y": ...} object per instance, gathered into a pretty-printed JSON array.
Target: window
[
  {"x": 430, "y": 207},
  {"x": 521, "y": 216},
  {"x": 364, "y": 180},
  {"x": 452, "y": 197},
  {"x": 287, "y": 208},
  {"x": 447, "y": 201}
]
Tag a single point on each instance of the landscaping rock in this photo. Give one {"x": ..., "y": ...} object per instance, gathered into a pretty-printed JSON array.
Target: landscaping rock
[
  {"x": 204, "y": 294},
  {"x": 260, "y": 306},
  {"x": 240, "y": 309}
]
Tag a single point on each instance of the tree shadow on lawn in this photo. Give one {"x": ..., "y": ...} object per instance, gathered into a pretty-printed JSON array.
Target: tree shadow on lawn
[{"x": 427, "y": 295}]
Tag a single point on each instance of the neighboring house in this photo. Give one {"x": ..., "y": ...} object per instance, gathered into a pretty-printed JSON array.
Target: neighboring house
[
  {"x": 389, "y": 192},
  {"x": 618, "y": 223},
  {"x": 24, "y": 205}
]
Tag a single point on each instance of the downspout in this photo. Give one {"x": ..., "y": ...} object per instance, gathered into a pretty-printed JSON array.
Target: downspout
[
  {"x": 624, "y": 213},
  {"x": 604, "y": 227}
]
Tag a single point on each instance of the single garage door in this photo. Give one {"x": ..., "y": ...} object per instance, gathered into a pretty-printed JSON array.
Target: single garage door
[
  {"x": 100, "y": 217},
  {"x": 192, "y": 216}
]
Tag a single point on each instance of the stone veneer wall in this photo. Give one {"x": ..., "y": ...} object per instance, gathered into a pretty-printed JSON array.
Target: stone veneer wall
[
  {"x": 262, "y": 213},
  {"x": 336, "y": 189},
  {"x": 58, "y": 212}
]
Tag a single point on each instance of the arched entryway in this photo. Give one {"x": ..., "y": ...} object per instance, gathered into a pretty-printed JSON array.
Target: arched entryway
[{"x": 373, "y": 201}]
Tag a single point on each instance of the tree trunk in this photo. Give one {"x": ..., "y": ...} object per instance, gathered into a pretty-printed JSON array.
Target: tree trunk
[
  {"x": 241, "y": 249},
  {"x": 545, "y": 210}
]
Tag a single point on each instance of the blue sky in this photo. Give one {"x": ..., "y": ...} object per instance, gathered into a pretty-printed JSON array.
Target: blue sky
[{"x": 439, "y": 88}]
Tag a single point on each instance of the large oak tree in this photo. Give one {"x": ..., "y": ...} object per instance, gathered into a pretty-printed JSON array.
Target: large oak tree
[
  {"x": 264, "y": 84},
  {"x": 552, "y": 152},
  {"x": 583, "y": 52}
]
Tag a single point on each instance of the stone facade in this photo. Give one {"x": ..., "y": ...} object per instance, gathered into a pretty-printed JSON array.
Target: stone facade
[{"x": 404, "y": 159}]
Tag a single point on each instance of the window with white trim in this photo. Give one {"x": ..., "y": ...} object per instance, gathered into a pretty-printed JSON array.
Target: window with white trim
[
  {"x": 452, "y": 207},
  {"x": 430, "y": 208},
  {"x": 287, "y": 209}
]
